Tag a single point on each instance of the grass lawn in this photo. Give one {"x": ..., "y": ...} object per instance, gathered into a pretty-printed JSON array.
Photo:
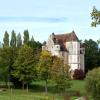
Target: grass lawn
[
  {"x": 18, "y": 94},
  {"x": 37, "y": 92}
]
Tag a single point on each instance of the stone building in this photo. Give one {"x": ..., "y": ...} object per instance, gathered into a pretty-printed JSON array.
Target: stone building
[{"x": 68, "y": 47}]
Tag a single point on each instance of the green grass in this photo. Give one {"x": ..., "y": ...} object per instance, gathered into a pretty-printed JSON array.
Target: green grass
[
  {"x": 78, "y": 85},
  {"x": 17, "y": 94},
  {"x": 37, "y": 92}
]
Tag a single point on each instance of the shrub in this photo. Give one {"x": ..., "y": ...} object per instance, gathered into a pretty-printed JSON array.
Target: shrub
[
  {"x": 93, "y": 83},
  {"x": 78, "y": 74},
  {"x": 62, "y": 83}
]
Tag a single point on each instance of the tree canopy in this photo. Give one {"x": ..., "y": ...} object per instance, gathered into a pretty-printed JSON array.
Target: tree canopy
[
  {"x": 92, "y": 53},
  {"x": 24, "y": 65}
]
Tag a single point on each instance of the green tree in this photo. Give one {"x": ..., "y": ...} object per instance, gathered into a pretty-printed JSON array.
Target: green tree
[
  {"x": 13, "y": 39},
  {"x": 32, "y": 43},
  {"x": 95, "y": 17},
  {"x": 26, "y": 37},
  {"x": 91, "y": 54},
  {"x": 93, "y": 83},
  {"x": 19, "y": 40},
  {"x": 38, "y": 45},
  {"x": 24, "y": 65},
  {"x": 5, "y": 63},
  {"x": 6, "y": 39},
  {"x": 44, "y": 64},
  {"x": 60, "y": 74}
]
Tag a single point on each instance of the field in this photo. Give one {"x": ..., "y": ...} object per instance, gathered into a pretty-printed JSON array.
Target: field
[{"x": 37, "y": 92}]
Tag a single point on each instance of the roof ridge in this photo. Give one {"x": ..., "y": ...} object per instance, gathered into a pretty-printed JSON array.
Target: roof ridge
[{"x": 66, "y": 33}]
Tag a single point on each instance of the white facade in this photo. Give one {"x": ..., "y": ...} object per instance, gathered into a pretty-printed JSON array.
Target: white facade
[{"x": 74, "y": 53}]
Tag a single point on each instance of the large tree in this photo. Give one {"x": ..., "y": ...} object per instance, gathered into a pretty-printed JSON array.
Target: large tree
[
  {"x": 44, "y": 65},
  {"x": 95, "y": 17},
  {"x": 91, "y": 54},
  {"x": 6, "y": 39},
  {"x": 5, "y": 63},
  {"x": 24, "y": 65},
  {"x": 60, "y": 74},
  {"x": 13, "y": 39}
]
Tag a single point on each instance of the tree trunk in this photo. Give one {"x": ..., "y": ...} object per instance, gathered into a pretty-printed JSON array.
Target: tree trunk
[
  {"x": 27, "y": 87},
  {"x": 46, "y": 88},
  {"x": 23, "y": 85},
  {"x": 8, "y": 83}
]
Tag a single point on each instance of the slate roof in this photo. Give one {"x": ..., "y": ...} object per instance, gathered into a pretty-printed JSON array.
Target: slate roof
[{"x": 61, "y": 39}]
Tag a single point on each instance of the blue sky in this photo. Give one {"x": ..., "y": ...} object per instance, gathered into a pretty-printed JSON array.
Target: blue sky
[{"x": 42, "y": 17}]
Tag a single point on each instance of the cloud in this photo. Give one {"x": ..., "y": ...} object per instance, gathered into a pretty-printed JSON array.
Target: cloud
[{"x": 33, "y": 19}]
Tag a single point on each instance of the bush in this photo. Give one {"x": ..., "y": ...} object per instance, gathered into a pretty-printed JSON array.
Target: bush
[
  {"x": 62, "y": 83},
  {"x": 93, "y": 83},
  {"x": 78, "y": 74}
]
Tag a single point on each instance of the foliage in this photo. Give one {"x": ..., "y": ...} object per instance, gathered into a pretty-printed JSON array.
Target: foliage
[
  {"x": 95, "y": 17},
  {"x": 17, "y": 61},
  {"x": 43, "y": 68},
  {"x": 5, "y": 63},
  {"x": 13, "y": 39},
  {"x": 6, "y": 39},
  {"x": 35, "y": 45},
  {"x": 93, "y": 83},
  {"x": 44, "y": 64},
  {"x": 60, "y": 74},
  {"x": 32, "y": 43},
  {"x": 24, "y": 65},
  {"x": 78, "y": 74},
  {"x": 91, "y": 54},
  {"x": 26, "y": 37},
  {"x": 19, "y": 40}
]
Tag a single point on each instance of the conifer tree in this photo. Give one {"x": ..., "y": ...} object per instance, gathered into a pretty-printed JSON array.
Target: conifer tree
[
  {"x": 6, "y": 39},
  {"x": 13, "y": 39},
  {"x": 19, "y": 40}
]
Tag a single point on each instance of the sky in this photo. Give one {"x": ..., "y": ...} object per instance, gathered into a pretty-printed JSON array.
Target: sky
[{"x": 43, "y": 17}]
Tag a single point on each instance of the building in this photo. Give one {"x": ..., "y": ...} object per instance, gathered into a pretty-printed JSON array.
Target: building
[{"x": 68, "y": 47}]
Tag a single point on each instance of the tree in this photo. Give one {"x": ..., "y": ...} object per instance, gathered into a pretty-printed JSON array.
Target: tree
[
  {"x": 91, "y": 54},
  {"x": 60, "y": 74},
  {"x": 38, "y": 45},
  {"x": 6, "y": 39},
  {"x": 26, "y": 37},
  {"x": 13, "y": 39},
  {"x": 32, "y": 43},
  {"x": 19, "y": 40},
  {"x": 24, "y": 65},
  {"x": 95, "y": 17},
  {"x": 35, "y": 45},
  {"x": 5, "y": 63},
  {"x": 43, "y": 68},
  {"x": 93, "y": 83}
]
